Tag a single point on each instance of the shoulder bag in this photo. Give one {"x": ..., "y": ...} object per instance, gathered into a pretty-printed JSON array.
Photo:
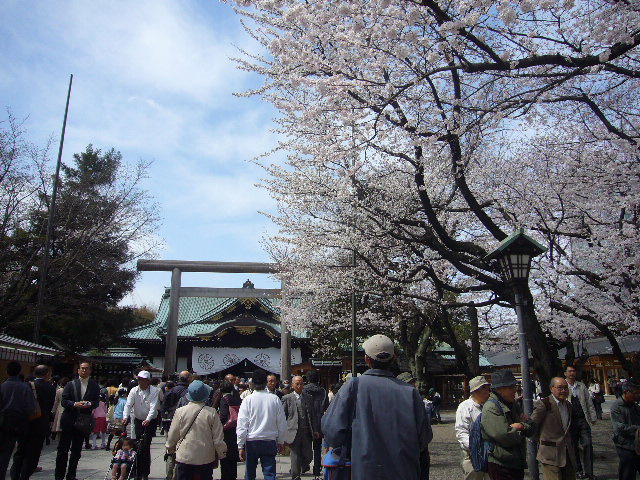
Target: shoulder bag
[
  {"x": 38, "y": 412},
  {"x": 188, "y": 428},
  {"x": 84, "y": 422},
  {"x": 232, "y": 421}
]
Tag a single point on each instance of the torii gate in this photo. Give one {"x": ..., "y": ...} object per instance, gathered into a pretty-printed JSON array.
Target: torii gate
[{"x": 176, "y": 267}]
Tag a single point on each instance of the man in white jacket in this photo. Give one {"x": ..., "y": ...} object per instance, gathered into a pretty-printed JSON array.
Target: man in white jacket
[
  {"x": 142, "y": 405},
  {"x": 466, "y": 414},
  {"x": 261, "y": 429}
]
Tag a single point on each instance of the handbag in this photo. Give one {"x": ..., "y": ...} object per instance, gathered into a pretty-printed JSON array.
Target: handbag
[
  {"x": 232, "y": 421},
  {"x": 38, "y": 413},
  {"x": 84, "y": 422}
]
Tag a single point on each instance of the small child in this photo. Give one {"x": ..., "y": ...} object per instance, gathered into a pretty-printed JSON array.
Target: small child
[
  {"x": 123, "y": 459},
  {"x": 115, "y": 423},
  {"x": 100, "y": 414}
]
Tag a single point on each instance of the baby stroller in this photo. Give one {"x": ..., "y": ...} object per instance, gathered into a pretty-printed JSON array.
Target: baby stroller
[{"x": 131, "y": 467}]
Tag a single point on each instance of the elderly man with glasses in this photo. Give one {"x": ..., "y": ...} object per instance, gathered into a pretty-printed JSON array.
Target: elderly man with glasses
[{"x": 553, "y": 416}]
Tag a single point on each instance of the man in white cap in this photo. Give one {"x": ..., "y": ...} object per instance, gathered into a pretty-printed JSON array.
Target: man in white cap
[
  {"x": 142, "y": 403},
  {"x": 390, "y": 429},
  {"x": 466, "y": 414}
]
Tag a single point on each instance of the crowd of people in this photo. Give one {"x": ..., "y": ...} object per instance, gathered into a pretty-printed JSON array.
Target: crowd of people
[
  {"x": 561, "y": 425},
  {"x": 351, "y": 428}
]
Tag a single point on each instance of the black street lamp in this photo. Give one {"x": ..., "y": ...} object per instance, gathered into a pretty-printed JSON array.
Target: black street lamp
[{"x": 514, "y": 256}]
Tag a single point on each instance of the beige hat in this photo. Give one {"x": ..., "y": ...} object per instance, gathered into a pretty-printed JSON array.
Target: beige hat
[
  {"x": 476, "y": 382},
  {"x": 144, "y": 374},
  {"x": 379, "y": 348}
]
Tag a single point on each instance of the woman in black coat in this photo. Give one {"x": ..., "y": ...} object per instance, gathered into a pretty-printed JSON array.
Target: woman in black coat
[{"x": 228, "y": 402}]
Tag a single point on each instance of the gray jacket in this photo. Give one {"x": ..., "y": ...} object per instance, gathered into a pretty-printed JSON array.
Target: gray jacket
[
  {"x": 291, "y": 412},
  {"x": 585, "y": 401},
  {"x": 625, "y": 420},
  {"x": 389, "y": 430}
]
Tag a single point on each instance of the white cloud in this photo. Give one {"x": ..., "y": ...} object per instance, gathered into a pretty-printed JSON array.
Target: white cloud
[
  {"x": 159, "y": 47},
  {"x": 209, "y": 196}
]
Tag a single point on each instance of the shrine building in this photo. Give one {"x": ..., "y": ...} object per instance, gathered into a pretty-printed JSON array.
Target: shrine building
[{"x": 217, "y": 336}]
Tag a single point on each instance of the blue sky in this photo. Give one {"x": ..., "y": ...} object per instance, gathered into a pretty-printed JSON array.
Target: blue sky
[{"x": 152, "y": 79}]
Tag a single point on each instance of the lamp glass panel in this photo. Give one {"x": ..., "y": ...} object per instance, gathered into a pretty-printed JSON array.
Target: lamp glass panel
[
  {"x": 505, "y": 265},
  {"x": 520, "y": 265}
]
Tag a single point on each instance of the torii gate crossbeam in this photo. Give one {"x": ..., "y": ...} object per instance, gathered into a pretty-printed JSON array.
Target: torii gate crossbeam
[{"x": 176, "y": 267}]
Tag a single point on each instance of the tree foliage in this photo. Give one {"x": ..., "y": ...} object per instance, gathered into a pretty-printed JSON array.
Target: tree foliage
[
  {"x": 103, "y": 222},
  {"x": 419, "y": 134}
]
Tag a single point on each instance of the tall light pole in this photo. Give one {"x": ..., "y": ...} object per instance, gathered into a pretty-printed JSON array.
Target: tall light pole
[
  {"x": 514, "y": 256},
  {"x": 354, "y": 370},
  {"x": 44, "y": 269}
]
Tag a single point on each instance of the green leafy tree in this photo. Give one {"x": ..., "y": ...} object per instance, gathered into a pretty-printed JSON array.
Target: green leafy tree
[{"x": 103, "y": 222}]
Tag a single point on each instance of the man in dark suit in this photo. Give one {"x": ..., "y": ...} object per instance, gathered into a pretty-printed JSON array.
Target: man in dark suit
[
  {"x": 217, "y": 395},
  {"x": 25, "y": 460},
  {"x": 16, "y": 405},
  {"x": 272, "y": 386},
  {"x": 553, "y": 417},
  {"x": 79, "y": 397},
  {"x": 302, "y": 427},
  {"x": 320, "y": 404}
]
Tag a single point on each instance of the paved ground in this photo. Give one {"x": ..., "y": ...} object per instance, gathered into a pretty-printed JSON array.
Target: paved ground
[{"x": 445, "y": 456}]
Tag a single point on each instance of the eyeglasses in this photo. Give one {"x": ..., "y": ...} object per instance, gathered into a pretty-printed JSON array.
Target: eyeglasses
[{"x": 561, "y": 387}]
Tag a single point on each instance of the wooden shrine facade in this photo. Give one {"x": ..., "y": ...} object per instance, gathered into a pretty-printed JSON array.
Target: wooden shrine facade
[{"x": 220, "y": 335}]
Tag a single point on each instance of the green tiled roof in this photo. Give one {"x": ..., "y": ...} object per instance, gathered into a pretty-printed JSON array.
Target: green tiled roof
[
  {"x": 197, "y": 316},
  {"x": 483, "y": 360},
  {"x": 447, "y": 353}
]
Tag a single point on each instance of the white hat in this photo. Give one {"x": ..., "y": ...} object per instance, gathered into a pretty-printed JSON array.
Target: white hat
[
  {"x": 144, "y": 374},
  {"x": 380, "y": 348},
  {"x": 476, "y": 382}
]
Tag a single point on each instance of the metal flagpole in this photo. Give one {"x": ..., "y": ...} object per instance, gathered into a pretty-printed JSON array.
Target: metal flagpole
[
  {"x": 354, "y": 370},
  {"x": 47, "y": 241}
]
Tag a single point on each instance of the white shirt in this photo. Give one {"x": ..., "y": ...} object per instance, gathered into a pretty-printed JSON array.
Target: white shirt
[
  {"x": 466, "y": 414},
  {"x": 83, "y": 386},
  {"x": 261, "y": 417},
  {"x": 594, "y": 388},
  {"x": 573, "y": 387},
  {"x": 564, "y": 411},
  {"x": 142, "y": 403}
]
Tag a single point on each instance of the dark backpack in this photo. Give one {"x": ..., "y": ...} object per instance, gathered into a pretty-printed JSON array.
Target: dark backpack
[{"x": 479, "y": 448}]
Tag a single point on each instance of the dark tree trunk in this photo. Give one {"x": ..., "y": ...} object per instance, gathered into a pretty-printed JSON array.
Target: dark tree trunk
[
  {"x": 545, "y": 355},
  {"x": 570, "y": 356},
  {"x": 474, "y": 365},
  {"x": 460, "y": 349},
  {"x": 415, "y": 336}
]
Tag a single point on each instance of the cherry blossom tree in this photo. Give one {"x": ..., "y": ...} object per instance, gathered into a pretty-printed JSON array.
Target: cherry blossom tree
[{"x": 419, "y": 134}]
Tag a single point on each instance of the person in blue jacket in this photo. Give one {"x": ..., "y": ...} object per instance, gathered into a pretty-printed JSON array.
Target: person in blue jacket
[
  {"x": 116, "y": 426},
  {"x": 389, "y": 429}
]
